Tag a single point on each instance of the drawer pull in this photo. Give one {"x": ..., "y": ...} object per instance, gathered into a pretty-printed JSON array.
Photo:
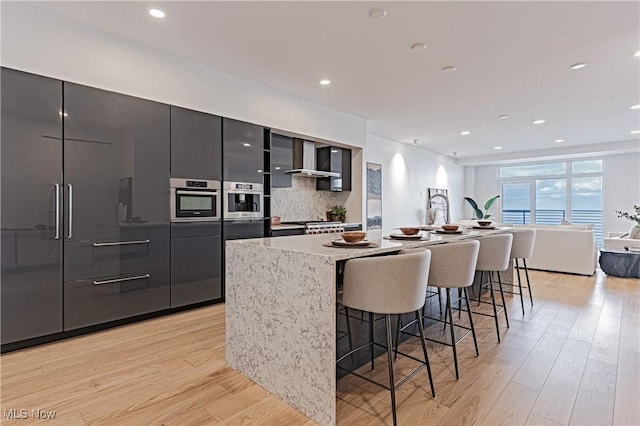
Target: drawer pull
[
  {"x": 117, "y": 280},
  {"x": 121, "y": 243}
]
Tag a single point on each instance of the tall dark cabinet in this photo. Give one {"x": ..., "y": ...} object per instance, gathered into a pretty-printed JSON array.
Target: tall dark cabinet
[
  {"x": 116, "y": 228},
  {"x": 196, "y": 247},
  {"x": 243, "y": 150},
  {"x": 196, "y": 144},
  {"x": 31, "y": 233}
]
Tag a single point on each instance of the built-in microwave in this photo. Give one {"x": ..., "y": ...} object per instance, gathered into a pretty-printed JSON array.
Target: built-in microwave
[
  {"x": 242, "y": 200},
  {"x": 194, "y": 200}
]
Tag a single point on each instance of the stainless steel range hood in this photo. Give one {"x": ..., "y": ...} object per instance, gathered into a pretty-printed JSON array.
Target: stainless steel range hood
[{"x": 304, "y": 161}]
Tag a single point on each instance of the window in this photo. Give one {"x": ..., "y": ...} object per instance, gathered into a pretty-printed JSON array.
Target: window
[{"x": 549, "y": 193}]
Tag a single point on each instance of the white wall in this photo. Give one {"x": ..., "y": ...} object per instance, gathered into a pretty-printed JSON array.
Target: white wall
[
  {"x": 45, "y": 44},
  {"x": 621, "y": 188},
  {"x": 407, "y": 172}
]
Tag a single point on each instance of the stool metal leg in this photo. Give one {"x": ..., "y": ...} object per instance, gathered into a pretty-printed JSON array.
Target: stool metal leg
[
  {"x": 495, "y": 310},
  {"x": 392, "y": 386},
  {"x": 504, "y": 305},
  {"x": 346, "y": 312},
  {"x": 424, "y": 349},
  {"x": 480, "y": 289},
  {"x": 473, "y": 329},
  {"x": 446, "y": 310},
  {"x": 526, "y": 271},
  {"x": 453, "y": 337},
  {"x": 519, "y": 285},
  {"x": 373, "y": 365}
]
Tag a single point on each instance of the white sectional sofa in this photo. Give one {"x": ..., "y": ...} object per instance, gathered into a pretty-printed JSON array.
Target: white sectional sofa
[
  {"x": 618, "y": 240},
  {"x": 563, "y": 248}
]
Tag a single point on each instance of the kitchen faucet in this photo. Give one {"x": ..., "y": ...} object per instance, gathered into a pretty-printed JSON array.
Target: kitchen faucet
[{"x": 446, "y": 199}]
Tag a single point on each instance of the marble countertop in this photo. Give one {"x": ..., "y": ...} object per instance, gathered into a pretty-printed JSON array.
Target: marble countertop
[{"x": 313, "y": 244}]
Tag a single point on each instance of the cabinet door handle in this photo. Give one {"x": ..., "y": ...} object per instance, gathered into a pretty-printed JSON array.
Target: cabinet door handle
[
  {"x": 121, "y": 243},
  {"x": 118, "y": 280},
  {"x": 57, "y": 212},
  {"x": 70, "y": 230}
]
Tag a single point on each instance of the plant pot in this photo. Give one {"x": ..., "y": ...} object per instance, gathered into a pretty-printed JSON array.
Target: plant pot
[
  {"x": 328, "y": 215},
  {"x": 335, "y": 218}
]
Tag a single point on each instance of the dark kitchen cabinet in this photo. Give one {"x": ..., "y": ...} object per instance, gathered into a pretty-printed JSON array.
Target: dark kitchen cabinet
[
  {"x": 334, "y": 159},
  {"x": 243, "y": 151},
  {"x": 31, "y": 160},
  {"x": 281, "y": 160},
  {"x": 116, "y": 173},
  {"x": 95, "y": 301},
  {"x": 196, "y": 262},
  {"x": 241, "y": 229},
  {"x": 196, "y": 145}
]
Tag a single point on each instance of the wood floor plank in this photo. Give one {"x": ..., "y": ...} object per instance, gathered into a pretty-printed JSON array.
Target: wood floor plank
[
  {"x": 558, "y": 394},
  {"x": 512, "y": 407},
  {"x": 627, "y": 394},
  {"x": 595, "y": 400}
]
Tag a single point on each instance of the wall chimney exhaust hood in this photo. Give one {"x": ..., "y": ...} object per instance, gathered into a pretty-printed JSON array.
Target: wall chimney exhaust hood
[{"x": 304, "y": 161}]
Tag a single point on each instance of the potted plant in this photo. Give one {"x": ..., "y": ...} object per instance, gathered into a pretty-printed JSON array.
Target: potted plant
[
  {"x": 338, "y": 213},
  {"x": 634, "y": 232},
  {"x": 479, "y": 213}
]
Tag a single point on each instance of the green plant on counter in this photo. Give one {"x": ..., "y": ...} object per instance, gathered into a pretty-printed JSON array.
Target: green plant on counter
[
  {"x": 634, "y": 217},
  {"x": 338, "y": 213},
  {"x": 479, "y": 213}
]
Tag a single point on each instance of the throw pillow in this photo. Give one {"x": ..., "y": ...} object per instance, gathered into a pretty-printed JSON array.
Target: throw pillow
[{"x": 634, "y": 233}]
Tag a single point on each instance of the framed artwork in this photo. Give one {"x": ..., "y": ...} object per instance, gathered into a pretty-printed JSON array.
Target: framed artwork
[
  {"x": 374, "y": 196},
  {"x": 437, "y": 211}
]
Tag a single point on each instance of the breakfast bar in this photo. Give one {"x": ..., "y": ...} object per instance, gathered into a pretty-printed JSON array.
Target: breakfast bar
[{"x": 281, "y": 311}]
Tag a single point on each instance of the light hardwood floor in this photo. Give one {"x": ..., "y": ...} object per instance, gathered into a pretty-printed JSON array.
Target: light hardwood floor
[{"x": 574, "y": 358}]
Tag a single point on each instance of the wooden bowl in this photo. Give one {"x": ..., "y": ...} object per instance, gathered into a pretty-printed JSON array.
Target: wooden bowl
[
  {"x": 484, "y": 222},
  {"x": 410, "y": 231},
  {"x": 450, "y": 227},
  {"x": 354, "y": 236}
]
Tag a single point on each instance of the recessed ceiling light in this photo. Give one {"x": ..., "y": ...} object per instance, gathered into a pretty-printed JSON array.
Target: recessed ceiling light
[
  {"x": 246, "y": 144},
  {"x": 578, "y": 66},
  {"x": 448, "y": 68},
  {"x": 277, "y": 168},
  {"x": 637, "y": 54},
  {"x": 503, "y": 116},
  {"x": 497, "y": 147},
  {"x": 377, "y": 13},
  {"x": 259, "y": 170},
  {"x": 61, "y": 114},
  {"x": 417, "y": 47},
  {"x": 538, "y": 122},
  {"x": 634, "y": 132},
  {"x": 635, "y": 106},
  {"x": 325, "y": 82},
  {"x": 559, "y": 140},
  {"x": 465, "y": 132},
  {"x": 157, "y": 13}
]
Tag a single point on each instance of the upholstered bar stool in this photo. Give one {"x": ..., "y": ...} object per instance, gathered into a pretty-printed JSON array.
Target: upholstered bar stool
[
  {"x": 494, "y": 255},
  {"x": 390, "y": 285},
  {"x": 453, "y": 265},
  {"x": 522, "y": 248}
]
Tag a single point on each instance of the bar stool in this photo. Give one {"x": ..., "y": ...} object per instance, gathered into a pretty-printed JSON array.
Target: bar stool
[
  {"x": 522, "y": 248},
  {"x": 452, "y": 266},
  {"x": 493, "y": 256},
  {"x": 389, "y": 285}
]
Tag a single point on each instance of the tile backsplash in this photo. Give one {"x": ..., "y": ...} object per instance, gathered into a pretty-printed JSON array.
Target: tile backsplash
[{"x": 301, "y": 202}]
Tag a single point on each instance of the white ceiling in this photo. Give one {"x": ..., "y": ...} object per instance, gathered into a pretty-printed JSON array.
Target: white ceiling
[{"x": 511, "y": 57}]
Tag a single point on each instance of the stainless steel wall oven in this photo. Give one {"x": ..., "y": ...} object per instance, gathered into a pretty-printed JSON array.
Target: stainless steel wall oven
[{"x": 194, "y": 200}]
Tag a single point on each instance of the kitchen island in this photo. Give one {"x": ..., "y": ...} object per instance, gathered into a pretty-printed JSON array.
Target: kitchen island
[{"x": 281, "y": 312}]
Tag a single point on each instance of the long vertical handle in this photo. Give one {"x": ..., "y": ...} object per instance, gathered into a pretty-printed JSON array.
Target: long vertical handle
[
  {"x": 57, "y": 213},
  {"x": 70, "y": 230}
]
